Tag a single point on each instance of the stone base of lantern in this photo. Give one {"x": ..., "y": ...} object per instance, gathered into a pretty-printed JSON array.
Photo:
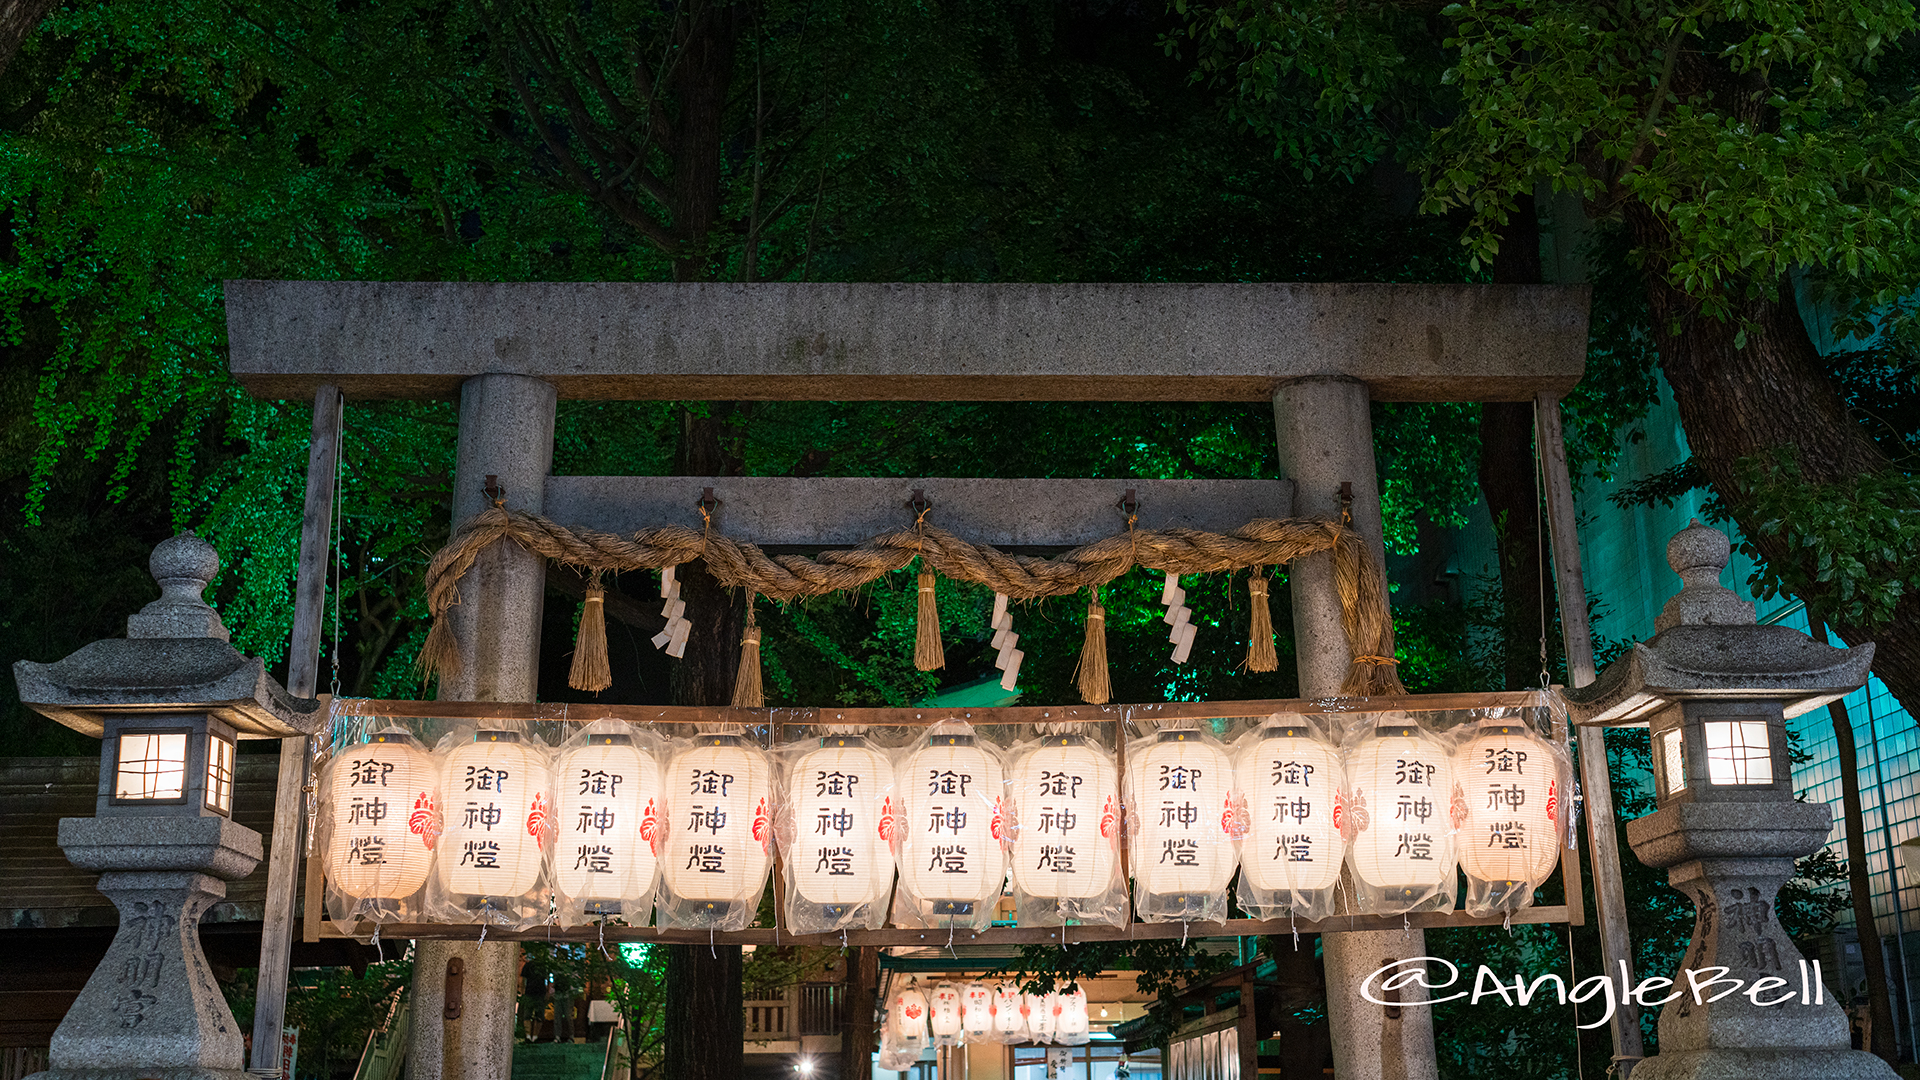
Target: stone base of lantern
[
  {"x": 1735, "y": 1064},
  {"x": 151, "y": 1010}
]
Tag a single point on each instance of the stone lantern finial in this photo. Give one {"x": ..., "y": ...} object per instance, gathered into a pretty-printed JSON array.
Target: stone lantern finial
[
  {"x": 183, "y": 565},
  {"x": 1698, "y": 554}
]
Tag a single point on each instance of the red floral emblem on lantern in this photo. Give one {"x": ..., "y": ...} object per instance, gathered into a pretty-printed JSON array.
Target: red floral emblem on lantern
[
  {"x": 994, "y": 827},
  {"x": 912, "y": 1010},
  {"x": 1108, "y": 818},
  {"x": 650, "y": 827},
  {"x": 1553, "y": 800},
  {"x": 886, "y": 819},
  {"x": 537, "y": 818},
  {"x": 760, "y": 830},
  {"x": 1457, "y": 808},
  {"x": 424, "y": 822}
]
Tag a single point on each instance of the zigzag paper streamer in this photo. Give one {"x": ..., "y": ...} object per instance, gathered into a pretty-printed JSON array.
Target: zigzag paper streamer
[
  {"x": 1180, "y": 617},
  {"x": 1004, "y": 640},
  {"x": 674, "y": 637}
]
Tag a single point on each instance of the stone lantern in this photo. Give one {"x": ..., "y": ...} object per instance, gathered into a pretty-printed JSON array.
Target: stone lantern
[
  {"x": 1715, "y": 690},
  {"x": 168, "y": 702}
]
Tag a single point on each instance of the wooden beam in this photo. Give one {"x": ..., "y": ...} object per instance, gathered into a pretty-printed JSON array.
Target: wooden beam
[
  {"x": 907, "y": 342},
  {"x": 1609, "y": 892},
  {"x": 843, "y": 511},
  {"x": 303, "y": 677}
]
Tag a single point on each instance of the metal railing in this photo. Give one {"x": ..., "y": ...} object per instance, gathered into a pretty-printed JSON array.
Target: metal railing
[{"x": 823, "y": 1008}]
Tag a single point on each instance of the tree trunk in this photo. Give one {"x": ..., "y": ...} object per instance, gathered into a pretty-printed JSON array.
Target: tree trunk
[
  {"x": 1859, "y": 881},
  {"x": 18, "y": 18},
  {"x": 705, "y": 1027},
  {"x": 1507, "y": 478},
  {"x": 702, "y": 76},
  {"x": 1737, "y": 402},
  {"x": 863, "y": 988}
]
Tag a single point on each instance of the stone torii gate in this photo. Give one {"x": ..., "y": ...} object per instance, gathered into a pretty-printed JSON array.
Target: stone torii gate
[{"x": 1320, "y": 353}]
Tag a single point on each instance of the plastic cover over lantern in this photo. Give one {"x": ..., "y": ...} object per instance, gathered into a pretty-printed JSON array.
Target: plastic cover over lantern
[
  {"x": 378, "y": 820},
  {"x": 1073, "y": 1027},
  {"x": 608, "y": 800},
  {"x": 1513, "y": 786},
  {"x": 713, "y": 868},
  {"x": 1183, "y": 817},
  {"x": 1398, "y": 816},
  {"x": 943, "y": 1014},
  {"x": 1009, "y": 1014},
  {"x": 907, "y": 1017},
  {"x": 497, "y": 787},
  {"x": 950, "y": 842},
  {"x": 1064, "y": 793},
  {"x": 976, "y": 1011},
  {"x": 1291, "y": 777},
  {"x": 1041, "y": 1016},
  {"x": 836, "y": 825}
]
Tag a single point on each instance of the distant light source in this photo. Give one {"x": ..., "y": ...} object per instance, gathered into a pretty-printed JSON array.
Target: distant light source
[{"x": 804, "y": 1067}]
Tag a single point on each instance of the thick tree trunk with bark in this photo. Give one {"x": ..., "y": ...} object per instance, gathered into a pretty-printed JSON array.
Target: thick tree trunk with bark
[
  {"x": 1775, "y": 392},
  {"x": 702, "y": 76},
  {"x": 18, "y": 18}
]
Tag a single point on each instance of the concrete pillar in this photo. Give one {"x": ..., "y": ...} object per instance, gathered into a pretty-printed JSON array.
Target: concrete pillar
[
  {"x": 1325, "y": 434},
  {"x": 506, "y": 430}
]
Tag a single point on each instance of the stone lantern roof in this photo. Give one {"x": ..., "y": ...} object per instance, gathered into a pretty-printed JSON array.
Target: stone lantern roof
[
  {"x": 175, "y": 658},
  {"x": 1708, "y": 646}
]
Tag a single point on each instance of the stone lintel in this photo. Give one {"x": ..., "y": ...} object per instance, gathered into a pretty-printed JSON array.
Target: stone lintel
[
  {"x": 844, "y": 511},
  {"x": 907, "y": 342}
]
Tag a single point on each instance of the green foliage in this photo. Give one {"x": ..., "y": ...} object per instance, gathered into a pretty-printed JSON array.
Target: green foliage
[{"x": 334, "y": 1007}]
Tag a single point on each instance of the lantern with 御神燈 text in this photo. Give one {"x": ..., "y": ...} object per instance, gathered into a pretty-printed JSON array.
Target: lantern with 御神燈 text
[
  {"x": 1290, "y": 858},
  {"x": 497, "y": 789},
  {"x": 608, "y": 814},
  {"x": 836, "y": 833},
  {"x": 719, "y": 834},
  {"x": 1184, "y": 821},
  {"x": 377, "y": 824},
  {"x": 950, "y": 847},
  {"x": 1398, "y": 817},
  {"x": 1512, "y": 785},
  {"x": 1065, "y": 836}
]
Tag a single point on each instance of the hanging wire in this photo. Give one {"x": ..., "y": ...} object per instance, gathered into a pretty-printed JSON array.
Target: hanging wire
[
  {"x": 1574, "y": 975},
  {"x": 339, "y": 533},
  {"x": 1540, "y": 543}
]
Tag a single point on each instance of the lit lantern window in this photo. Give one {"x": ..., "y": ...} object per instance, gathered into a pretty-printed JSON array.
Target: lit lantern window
[
  {"x": 719, "y": 834},
  {"x": 498, "y": 794},
  {"x": 1400, "y": 815},
  {"x": 219, "y": 797},
  {"x": 951, "y": 858},
  {"x": 608, "y": 795},
  {"x": 151, "y": 767},
  {"x": 1738, "y": 752},
  {"x": 1291, "y": 855},
  {"x": 841, "y": 856},
  {"x": 186, "y": 764},
  {"x": 976, "y": 1011},
  {"x": 1510, "y": 780},
  {"x": 943, "y": 1014},
  {"x": 1183, "y": 850},
  {"x": 1009, "y": 1013},
  {"x": 1066, "y": 846},
  {"x": 382, "y": 819},
  {"x": 1670, "y": 762}
]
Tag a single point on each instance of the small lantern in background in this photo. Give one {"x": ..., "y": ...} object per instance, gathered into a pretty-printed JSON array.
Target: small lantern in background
[
  {"x": 1040, "y": 1017},
  {"x": 1184, "y": 848},
  {"x": 952, "y": 857},
  {"x": 1512, "y": 786},
  {"x": 608, "y": 796},
  {"x": 1400, "y": 818},
  {"x": 976, "y": 1011},
  {"x": 1074, "y": 1026},
  {"x": 380, "y": 823},
  {"x": 943, "y": 1015},
  {"x": 1009, "y": 1013},
  {"x": 1291, "y": 856},
  {"x": 908, "y": 1015},
  {"x": 498, "y": 790},
  {"x": 719, "y": 836}
]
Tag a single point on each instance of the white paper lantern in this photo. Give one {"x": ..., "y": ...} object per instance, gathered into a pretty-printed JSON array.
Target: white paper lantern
[
  {"x": 841, "y": 794},
  {"x": 1401, "y": 780},
  {"x": 908, "y": 1015},
  {"x": 384, "y": 799},
  {"x": 719, "y": 832},
  {"x": 1065, "y": 848},
  {"x": 1073, "y": 1026},
  {"x": 1183, "y": 853},
  {"x": 1040, "y": 1017},
  {"x": 1509, "y": 778},
  {"x": 499, "y": 817},
  {"x": 943, "y": 1014},
  {"x": 609, "y": 798},
  {"x": 1291, "y": 781},
  {"x": 1009, "y": 1013},
  {"x": 951, "y": 854},
  {"x": 976, "y": 1011}
]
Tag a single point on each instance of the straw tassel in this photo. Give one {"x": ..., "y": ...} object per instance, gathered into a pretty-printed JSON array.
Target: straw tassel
[
  {"x": 1261, "y": 655},
  {"x": 1096, "y": 684},
  {"x": 928, "y": 653},
  {"x": 591, "y": 671},
  {"x": 440, "y": 653},
  {"x": 747, "y": 693}
]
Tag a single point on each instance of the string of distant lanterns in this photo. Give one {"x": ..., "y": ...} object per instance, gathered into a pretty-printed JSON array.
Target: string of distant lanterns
[
  {"x": 494, "y": 826},
  {"x": 954, "y": 1014}
]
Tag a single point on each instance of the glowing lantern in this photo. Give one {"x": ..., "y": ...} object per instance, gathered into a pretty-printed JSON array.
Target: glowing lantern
[
  {"x": 908, "y": 1015},
  {"x": 1074, "y": 1026},
  {"x": 1040, "y": 1017},
  {"x": 976, "y": 1011},
  {"x": 943, "y": 1014},
  {"x": 841, "y": 857},
  {"x": 1400, "y": 814},
  {"x": 719, "y": 833},
  {"x": 1510, "y": 836},
  {"x": 499, "y": 820},
  {"x": 1183, "y": 850},
  {"x": 1065, "y": 851},
  {"x": 1009, "y": 1019},
  {"x": 383, "y": 806},
  {"x": 951, "y": 859},
  {"x": 608, "y": 799},
  {"x": 1292, "y": 851}
]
